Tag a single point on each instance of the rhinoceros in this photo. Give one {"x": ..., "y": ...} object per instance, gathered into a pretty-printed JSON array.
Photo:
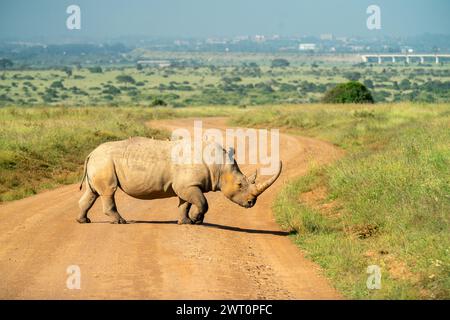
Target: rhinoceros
[{"x": 143, "y": 168}]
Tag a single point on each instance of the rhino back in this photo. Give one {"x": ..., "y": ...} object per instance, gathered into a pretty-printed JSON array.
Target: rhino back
[
  {"x": 145, "y": 170},
  {"x": 143, "y": 167}
]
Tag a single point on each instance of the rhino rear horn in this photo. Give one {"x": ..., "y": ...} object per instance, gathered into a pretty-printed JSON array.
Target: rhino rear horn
[
  {"x": 261, "y": 187},
  {"x": 252, "y": 178}
]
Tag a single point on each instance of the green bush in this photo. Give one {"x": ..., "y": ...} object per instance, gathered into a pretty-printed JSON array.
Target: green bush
[
  {"x": 350, "y": 92},
  {"x": 277, "y": 63},
  {"x": 158, "y": 102},
  {"x": 123, "y": 78},
  {"x": 96, "y": 69}
]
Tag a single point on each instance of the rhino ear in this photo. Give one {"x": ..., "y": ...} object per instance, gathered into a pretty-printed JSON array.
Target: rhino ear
[{"x": 231, "y": 154}]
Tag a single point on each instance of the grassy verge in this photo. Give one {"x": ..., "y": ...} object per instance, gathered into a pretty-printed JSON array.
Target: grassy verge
[
  {"x": 43, "y": 147},
  {"x": 386, "y": 203}
]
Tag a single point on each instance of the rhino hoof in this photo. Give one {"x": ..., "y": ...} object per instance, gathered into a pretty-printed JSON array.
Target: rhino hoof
[
  {"x": 185, "y": 221},
  {"x": 119, "y": 221},
  {"x": 199, "y": 219},
  {"x": 84, "y": 220}
]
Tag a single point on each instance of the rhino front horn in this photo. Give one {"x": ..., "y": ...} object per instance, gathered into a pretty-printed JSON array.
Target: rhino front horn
[{"x": 261, "y": 187}]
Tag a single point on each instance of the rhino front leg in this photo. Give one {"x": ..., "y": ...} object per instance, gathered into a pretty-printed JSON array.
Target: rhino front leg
[
  {"x": 110, "y": 209},
  {"x": 195, "y": 196},
  {"x": 184, "y": 208}
]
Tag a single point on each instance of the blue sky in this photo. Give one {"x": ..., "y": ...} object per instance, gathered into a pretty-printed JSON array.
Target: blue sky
[{"x": 200, "y": 18}]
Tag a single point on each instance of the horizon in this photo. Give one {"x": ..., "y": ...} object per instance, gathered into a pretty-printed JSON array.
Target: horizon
[
  {"x": 103, "y": 19},
  {"x": 135, "y": 37}
]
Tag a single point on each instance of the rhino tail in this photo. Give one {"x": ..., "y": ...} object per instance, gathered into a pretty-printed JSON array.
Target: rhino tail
[{"x": 84, "y": 171}]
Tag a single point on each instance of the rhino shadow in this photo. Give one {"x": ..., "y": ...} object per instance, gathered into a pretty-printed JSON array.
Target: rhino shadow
[{"x": 217, "y": 226}]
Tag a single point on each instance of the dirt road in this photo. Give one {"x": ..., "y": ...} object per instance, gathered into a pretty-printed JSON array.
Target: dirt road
[{"x": 237, "y": 254}]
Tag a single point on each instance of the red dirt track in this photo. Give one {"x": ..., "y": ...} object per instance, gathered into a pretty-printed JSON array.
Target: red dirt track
[{"x": 237, "y": 254}]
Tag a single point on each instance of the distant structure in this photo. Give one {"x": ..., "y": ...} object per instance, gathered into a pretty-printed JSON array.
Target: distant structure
[
  {"x": 342, "y": 39},
  {"x": 407, "y": 57},
  {"x": 155, "y": 63},
  {"x": 260, "y": 38},
  {"x": 326, "y": 37},
  {"x": 215, "y": 41},
  {"x": 181, "y": 43},
  {"x": 307, "y": 46}
]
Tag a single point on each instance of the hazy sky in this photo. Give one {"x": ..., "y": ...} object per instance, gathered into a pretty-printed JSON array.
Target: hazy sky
[{"x": 193, "y": 18}]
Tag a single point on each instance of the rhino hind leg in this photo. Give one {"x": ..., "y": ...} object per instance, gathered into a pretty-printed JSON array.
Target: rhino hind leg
[
  {"x": 85, "y": 203},
  {"x": 110, "y": 209},
  {"x": 184, "y": 208}
]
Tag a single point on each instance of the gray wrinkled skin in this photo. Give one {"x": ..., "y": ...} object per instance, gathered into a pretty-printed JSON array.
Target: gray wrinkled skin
[{"x": 143, "y": 169}]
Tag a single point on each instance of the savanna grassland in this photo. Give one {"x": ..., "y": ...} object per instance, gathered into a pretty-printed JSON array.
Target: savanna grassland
[
  {"x": 386, "y": 203},
  {"x": 244, "y": 84}
]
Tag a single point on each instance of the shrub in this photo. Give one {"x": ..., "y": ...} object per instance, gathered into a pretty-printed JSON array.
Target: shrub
[
  {"x": 123, "y": 78},
  {"x": 111, "y": 90},
  {"x": 405, "y": 84},
  {"x": 280, "y": 63},
  {"x": 350, "y": 92},
  {"x": 96, "y": 69},
  {"x": 352, "y": 76},
  {"x": 158, "y": 102},
  {"x": 5, "y": 63},
  {"x": 368, "y": 83},
  {"x": 57, "y": 85}
]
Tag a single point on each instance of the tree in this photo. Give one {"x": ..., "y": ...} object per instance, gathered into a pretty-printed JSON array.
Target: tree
[
  {"x": 277, "y": 63},
  {"x": 352, "y": 76},
  {"x": 5, "y": 63},
  {"x": 405, "y": 84},
  {"x": 96, "y": 69},
  {"x": 123, "y": 78},
  {"x": 368, "y": 83},
  {"x": 68, "y": 71},
  {"x": 395, "y": 85},
  {"x": 158, "y": 102},
  {"x": 139, "y": 67},
  {"x": 111, "y": 90},
  {"x": 350, "y": 92},
  {"x": 57, "y": 85}
]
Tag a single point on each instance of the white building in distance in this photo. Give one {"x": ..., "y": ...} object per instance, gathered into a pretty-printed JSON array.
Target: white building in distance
[
  {"x": 307, "y": 46},
  {"x": 326, "y": 37},
  {"x": 260, "y": 38}
]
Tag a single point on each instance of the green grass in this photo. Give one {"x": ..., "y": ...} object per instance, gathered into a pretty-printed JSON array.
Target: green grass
[
  {"x": 43, "y": 147},
  {"x": 207, "y": 85},
  {"x": 386, "y": 203}
]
